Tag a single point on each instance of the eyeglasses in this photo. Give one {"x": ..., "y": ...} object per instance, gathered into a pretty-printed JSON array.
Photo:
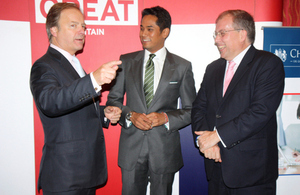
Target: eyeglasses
[{"x": 222, "y": 33}]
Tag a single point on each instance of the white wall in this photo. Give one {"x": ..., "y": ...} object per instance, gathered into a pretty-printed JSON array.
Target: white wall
[{"x": 17, "y": 176}]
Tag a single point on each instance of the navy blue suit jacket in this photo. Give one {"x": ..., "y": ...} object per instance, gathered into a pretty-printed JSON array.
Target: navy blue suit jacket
[
  {"x": 74, "y": 151},
  {"x": 245, "y": 117}
]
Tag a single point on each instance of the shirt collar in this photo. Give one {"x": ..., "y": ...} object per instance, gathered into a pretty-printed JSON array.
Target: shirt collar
[
  {"x": 240, "y": 57},
  {"x": 63, "y": 52},
  {"x": 159, "y": 55}
]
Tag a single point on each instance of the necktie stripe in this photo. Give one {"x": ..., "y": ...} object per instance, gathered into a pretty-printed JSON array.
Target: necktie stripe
[{"x": 149, "y": 80}]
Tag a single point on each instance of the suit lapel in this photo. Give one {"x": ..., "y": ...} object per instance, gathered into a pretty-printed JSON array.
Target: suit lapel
[
  {"x": 220, "y": 80},
  {"x": 242, "y": 69},
  {"x": 136, "y": 73},
  {"x": 166, "y": 75},
  {"x": 69, "y": 68},
  {"x": 65, "y": 64}
]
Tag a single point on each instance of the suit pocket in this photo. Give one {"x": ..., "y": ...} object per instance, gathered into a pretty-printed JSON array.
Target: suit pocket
[{"x": 173, "y": 84}]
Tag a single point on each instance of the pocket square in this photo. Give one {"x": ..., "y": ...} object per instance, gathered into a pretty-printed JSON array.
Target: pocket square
[{"x": 173, "y": 82}]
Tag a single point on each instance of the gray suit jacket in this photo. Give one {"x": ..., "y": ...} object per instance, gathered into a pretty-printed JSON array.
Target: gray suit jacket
[
  {"x": 74, "y": 150},
  {"x": 164, "y": 145}
]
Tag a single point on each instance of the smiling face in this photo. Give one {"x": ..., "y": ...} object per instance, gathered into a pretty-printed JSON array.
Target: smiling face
[
  {"x": 151, "y": 37},
  {"x": 70, "y": 35},
  {"x": 233, "y": 42}
]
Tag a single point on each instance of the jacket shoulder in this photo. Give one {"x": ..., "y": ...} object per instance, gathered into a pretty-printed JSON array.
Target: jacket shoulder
[
  {"x": 266, "y": 54},
  {"x": 216, "y": 64},
  {"x": 49, "y": 57},
  {"x": 132, "y": 55},
  {"x": 178, "y": 59}
]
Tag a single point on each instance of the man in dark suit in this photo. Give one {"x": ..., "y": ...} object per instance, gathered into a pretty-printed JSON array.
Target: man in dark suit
[
  {"x": 236, "y": 128},
  {"x": 74, "y": 158},
  {"x": 149, "y": 147}
]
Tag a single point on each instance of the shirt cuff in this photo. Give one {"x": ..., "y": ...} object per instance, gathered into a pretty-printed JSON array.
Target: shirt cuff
[
  {"x": 95, "y": 84},
  {"x": 197, "y": 144},
  {"x": 167, "y": 124},
  {"x": 220, "y": 138},
  {"x": 128, "y": 123}
]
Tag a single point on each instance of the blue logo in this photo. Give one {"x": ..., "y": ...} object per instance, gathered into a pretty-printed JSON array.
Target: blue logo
[{"x": 290, "y": 56}]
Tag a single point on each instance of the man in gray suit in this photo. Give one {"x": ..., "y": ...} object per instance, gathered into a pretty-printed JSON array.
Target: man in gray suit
[
  {"x": 149, "y": 148},
  {"x": 74, "y": 157}
]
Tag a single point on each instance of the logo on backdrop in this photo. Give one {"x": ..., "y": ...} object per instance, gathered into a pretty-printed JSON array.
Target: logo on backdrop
[
  {"x": 281, "y": 53},
  {"x": 288, "y": 53},
  {"x": 96, "y": 12}
]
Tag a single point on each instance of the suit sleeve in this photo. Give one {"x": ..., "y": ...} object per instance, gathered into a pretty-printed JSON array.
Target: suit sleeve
[
  {"x": 116, "y": 93},
  {"x": 199, "y": 110},
  {"x": 187, "y": 93},
  {"x": 53, "y": 96}
]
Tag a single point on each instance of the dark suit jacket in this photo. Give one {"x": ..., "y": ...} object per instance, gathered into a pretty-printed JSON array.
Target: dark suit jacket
[
  {"x": 164, "y": 145},
  {"x": 74, "y": 151},
  {"x": 245, "y": 117}
]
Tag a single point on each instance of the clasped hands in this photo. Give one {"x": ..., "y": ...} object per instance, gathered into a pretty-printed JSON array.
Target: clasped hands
[
  {"x": 146, "y": 122},
  {"x": 208, "y": 144},
  {"x": 113, "y": 113}
]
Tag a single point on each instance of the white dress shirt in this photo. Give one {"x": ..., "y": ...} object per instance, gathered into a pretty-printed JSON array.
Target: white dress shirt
[{"x": 158, "y": 61}]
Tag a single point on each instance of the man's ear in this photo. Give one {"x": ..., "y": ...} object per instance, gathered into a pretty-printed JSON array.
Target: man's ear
[
  {"x": 243, "y": 35},
  {"x": 166, "y": 32},
  {"x": 54, "y": 31}
]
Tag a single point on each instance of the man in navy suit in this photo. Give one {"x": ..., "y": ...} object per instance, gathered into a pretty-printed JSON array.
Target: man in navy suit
[
  {"x": 67, "y": 99},
  {"x": 235, "y": 126}
]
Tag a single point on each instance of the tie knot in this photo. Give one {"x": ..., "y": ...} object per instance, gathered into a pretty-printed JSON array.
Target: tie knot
[
  {"x": 150, "y": 62},
  {"x": 151, "y": 56},
  {"x": 75, "y": 59},
  {"x": 231, "y": 64}
]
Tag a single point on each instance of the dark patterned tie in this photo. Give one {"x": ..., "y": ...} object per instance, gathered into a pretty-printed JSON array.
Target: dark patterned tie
[{"x": 149, "y": 80}]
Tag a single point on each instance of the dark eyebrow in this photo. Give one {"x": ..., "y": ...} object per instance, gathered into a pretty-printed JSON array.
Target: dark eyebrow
[{"x": 150, "y": 26}]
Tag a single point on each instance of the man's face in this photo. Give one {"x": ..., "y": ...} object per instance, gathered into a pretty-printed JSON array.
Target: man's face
[
  {"x": 151, "y": 37},
  {"x": 229, "y": 41},
  {"x": 70, "y": 35}
]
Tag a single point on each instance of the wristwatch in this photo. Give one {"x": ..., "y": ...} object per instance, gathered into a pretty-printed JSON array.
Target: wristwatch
[{"x": 128, "y": 115}]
